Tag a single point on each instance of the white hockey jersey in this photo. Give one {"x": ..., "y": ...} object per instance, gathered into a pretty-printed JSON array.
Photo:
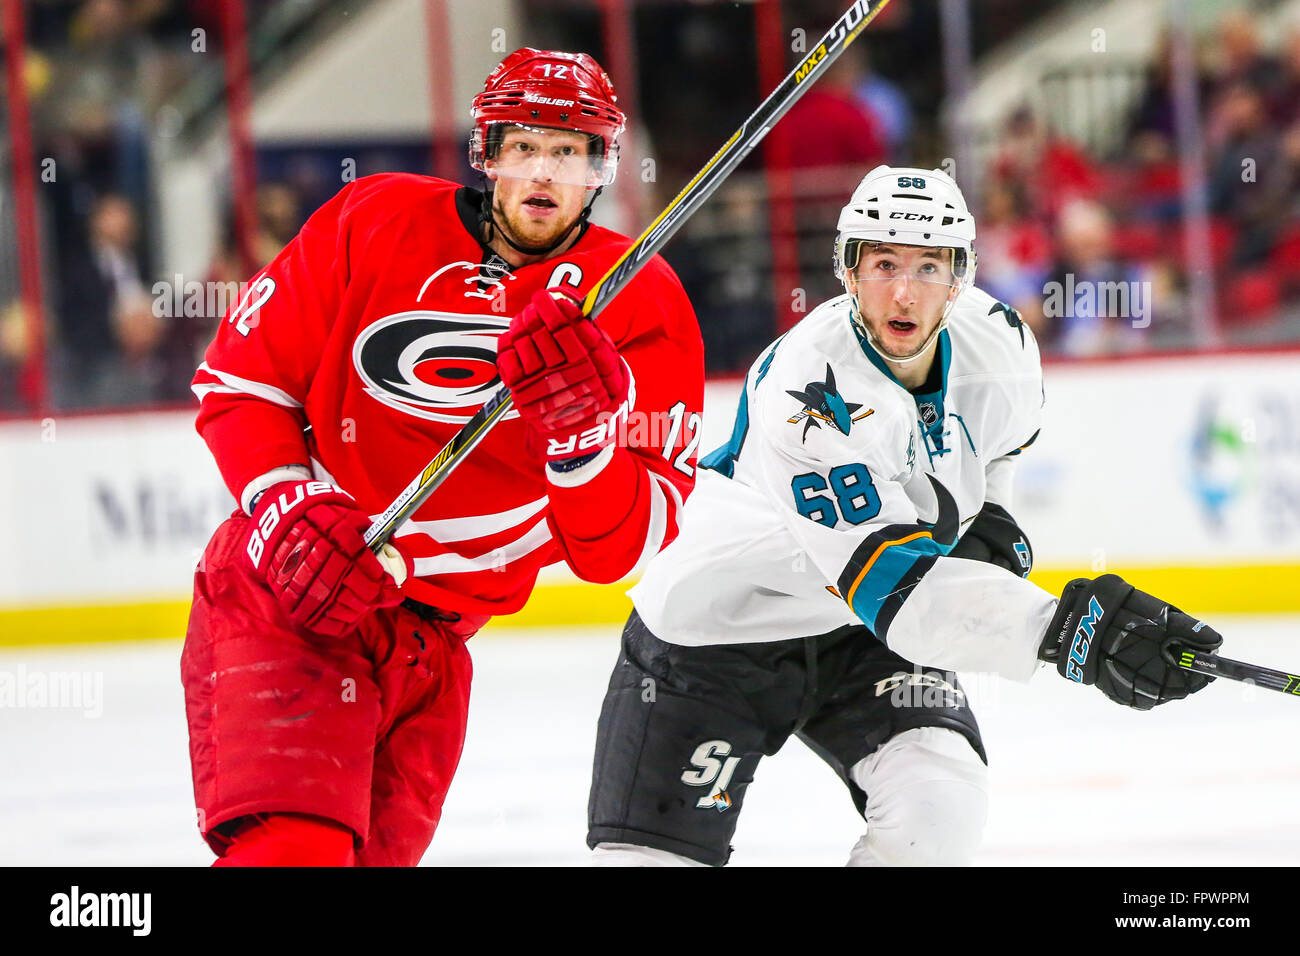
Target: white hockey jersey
[{"x": 840, "y": 494}]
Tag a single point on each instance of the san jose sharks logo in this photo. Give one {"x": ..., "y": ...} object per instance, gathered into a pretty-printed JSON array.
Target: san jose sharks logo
[{"x": 822, "y": 402}]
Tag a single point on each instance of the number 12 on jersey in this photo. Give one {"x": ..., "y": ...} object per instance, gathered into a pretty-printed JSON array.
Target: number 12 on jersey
[{"x": 855, "y": 496}]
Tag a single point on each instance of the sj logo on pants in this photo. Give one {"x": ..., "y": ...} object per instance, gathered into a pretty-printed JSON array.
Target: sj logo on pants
[{"x": 713, "y": 773}]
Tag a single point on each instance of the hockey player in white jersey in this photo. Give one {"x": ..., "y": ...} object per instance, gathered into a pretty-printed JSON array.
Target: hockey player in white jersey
[{"x": 855, "y": 536}]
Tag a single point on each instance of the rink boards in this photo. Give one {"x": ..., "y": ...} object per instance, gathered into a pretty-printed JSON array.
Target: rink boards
[{"x": 1182, "y": 473}]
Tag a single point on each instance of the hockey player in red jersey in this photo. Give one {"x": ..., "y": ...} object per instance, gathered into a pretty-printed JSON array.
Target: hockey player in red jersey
[{"x": 327, "y": 688}]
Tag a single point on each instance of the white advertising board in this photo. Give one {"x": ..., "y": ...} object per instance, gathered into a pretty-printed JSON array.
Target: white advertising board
[
  {"x": 1179, "y": 461},
  {"x": 104, "y": 508}
]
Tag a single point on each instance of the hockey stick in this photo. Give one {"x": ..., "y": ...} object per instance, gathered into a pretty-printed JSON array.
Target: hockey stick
[
  {"x": 1212, "y": 665},
  {"x": 656, "y": 235}
]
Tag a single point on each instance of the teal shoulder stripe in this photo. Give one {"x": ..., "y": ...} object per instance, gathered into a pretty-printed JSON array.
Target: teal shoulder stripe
[
  {"x": 767, "y": 363},
  {"x": 723, "y": 459}
]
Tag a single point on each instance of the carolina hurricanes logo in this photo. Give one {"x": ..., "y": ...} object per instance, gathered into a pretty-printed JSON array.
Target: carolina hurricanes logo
[{"x": 435, "y": 365}]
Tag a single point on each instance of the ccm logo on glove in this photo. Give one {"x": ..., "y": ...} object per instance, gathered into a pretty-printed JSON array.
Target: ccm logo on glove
[
  {"x": 1083, "y": 638},
  {"x": 1108, "y": 633}
]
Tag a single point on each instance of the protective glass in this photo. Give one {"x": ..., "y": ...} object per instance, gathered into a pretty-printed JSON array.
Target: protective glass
[
  {"x": 870, "y": 265},
  {"x": 551, "y": 155}
]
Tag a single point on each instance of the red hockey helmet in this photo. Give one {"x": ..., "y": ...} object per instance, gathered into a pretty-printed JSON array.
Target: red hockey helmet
[{"x": 548, "y": 89}]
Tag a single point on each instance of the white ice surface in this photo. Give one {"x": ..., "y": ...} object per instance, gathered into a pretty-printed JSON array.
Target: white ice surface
[{"x": 1075, "y": 780}]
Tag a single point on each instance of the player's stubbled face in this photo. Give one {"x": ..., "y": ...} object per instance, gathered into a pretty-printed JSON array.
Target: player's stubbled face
[
  {"x": 530, "y": 202},
  {"x": 902, "y": 292}
]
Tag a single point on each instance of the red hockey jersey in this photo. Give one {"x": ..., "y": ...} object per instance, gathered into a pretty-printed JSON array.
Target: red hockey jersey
[{"x": 371, "y": 339}]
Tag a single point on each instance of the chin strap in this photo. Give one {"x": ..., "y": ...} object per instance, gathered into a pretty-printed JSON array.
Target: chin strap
[{"x": 489, "y": 222}]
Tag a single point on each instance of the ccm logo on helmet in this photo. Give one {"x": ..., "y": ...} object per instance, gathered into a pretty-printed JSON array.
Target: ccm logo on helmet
[
  {"x": 277, "y": 509},
  {"x": 912, "y": 216}
]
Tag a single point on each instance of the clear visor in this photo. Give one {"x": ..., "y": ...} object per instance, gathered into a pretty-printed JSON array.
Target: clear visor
[
  {"x": 909, "y": 263},
  {"x": 551, "y": 156}
]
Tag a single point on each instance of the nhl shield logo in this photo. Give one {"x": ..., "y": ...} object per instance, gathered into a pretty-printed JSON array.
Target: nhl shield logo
[{"x": 439, "y": 366}]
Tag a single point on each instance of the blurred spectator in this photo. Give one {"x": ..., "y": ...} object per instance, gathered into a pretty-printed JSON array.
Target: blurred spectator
[
  {"x": 1246, "y": 150},
  {"x": 279, "y": 218},
  {"x": 727, "y": 274},
  {"x": 1155, "y": 189},
  {"x": 97, "y": 101},
  {"x": 1267, "y": 264},
  {"x": 1237, "y": 58},
  {"x": 1049, "y": 171},
  {"x": 1153, "y": 118},
  {"x": 831, "y": 128},
  {"x": 1282, "y": 185},
  {"x": 1015, "y": 252},
  {"x": 103, "y": 338},
  {"x": 1284, "y": 98},
  {"x": 14, "y": 349},
  {"x": 139, "y": 332},
  {"x": 830, "y": 140},
  {"x": 1087, "y": 283},
  {"x": 885, "y": 100},
  {"x": 1247, "y": 97}
]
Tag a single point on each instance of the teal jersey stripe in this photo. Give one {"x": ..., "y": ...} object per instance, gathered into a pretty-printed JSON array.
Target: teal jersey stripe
[
  {"x": 892, "y": 569},
  {"x": 899, "y": 568},
  {"x": 723, "y": 459}
]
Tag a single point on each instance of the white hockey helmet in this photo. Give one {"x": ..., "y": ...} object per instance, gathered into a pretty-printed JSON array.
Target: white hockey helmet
[{"x": 912, "y": 207}]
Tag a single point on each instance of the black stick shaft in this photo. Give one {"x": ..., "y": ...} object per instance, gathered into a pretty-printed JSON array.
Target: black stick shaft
[
  {"x": 656, "y": 235},
  {"x": 1212, "y": 665}
]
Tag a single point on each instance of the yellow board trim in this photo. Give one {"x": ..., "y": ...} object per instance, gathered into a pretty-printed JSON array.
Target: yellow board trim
[
  {"x": 1201, "y": 591},
  {"x": 94, "y": 623},
  {"x": 551, "y": 605}
]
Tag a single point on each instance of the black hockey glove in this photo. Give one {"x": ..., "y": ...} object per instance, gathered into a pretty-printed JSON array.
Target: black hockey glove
[
  {"x": 995, "y": 537},
  {"x": 1108, "y": 633}
]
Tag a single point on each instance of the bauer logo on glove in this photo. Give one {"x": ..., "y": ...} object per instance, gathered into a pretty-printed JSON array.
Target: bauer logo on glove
[
  {"x": 317, "y": 562},
  {"x": 593, "y": 439},
  {"x": 274, "y": 506}
]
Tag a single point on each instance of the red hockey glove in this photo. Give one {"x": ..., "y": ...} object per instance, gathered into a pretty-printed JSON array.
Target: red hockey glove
[
  {"x": 564, "y": 373},
  {"x": 306, "y": 538}
]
